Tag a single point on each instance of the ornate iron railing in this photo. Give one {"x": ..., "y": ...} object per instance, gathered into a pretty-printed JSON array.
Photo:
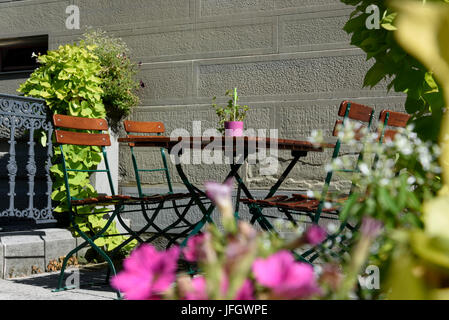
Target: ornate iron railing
[{"x": 20, "y": 119}]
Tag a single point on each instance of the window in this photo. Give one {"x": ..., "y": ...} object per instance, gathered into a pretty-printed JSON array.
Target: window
[{"x": 15, "y": 53}]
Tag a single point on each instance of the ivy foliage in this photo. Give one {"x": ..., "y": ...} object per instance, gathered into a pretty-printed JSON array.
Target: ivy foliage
[
  {"x": 404, "y": 73},
  {"x": 68, "y": 81}
]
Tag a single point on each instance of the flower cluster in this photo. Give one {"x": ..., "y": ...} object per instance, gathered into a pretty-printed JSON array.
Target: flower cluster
[
  {"x": 391, "y": 175},
  {"x": 235, "y": 264}
]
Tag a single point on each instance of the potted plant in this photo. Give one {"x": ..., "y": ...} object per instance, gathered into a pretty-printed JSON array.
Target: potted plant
[{"x": 231, "y": 116}]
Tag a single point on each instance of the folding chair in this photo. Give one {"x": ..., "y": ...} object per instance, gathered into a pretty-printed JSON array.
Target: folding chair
[
  {"x": 157, "y": 128},
  {"x": 315, "y": 209},
  {"x": 97, "y": 136}
]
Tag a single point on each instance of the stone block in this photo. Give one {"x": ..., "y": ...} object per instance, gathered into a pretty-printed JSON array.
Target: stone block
[
  {"x": 203, "y": 40},
  {"x": 308, "y": 4},
  {"x": 24, "y": 255},
  {"x": 301, "y": 75},
  {"x": 20, "y": 17},
  {"x": 232, "y": 7},
  {"x": 81, "y": 253},
  {"x": 58, "y": 243},
  {"x": 131, "y": 12},
  {"x": 9, "y": 84},
  {"x": 166, "y": 83},
  {"x": 314, "y": 31}
]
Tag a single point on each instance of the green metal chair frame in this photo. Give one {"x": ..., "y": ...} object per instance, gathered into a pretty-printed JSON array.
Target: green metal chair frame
[{"x": 158, "y": 128}]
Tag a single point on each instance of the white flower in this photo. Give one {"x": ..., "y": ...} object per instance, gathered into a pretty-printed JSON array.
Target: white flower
[
  {"x": 411, "y": 180},
  {"x": 364, "y": 169},
  {"x": 310, "y": 194},
  {"x": 332, "y": 227}
]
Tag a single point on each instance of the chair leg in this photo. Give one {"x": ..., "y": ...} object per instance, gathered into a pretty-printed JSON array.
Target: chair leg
[{"x": 91, "y": 242}]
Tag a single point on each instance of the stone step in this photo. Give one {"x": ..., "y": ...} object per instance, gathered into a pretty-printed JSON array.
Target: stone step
[{"x": 23, "y": 253}]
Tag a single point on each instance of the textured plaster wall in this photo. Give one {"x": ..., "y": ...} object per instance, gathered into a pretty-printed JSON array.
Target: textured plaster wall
[{"x": 290, "y": 60}]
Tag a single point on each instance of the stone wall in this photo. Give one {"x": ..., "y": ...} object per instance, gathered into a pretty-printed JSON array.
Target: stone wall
[{"x": 290, "y": 60}]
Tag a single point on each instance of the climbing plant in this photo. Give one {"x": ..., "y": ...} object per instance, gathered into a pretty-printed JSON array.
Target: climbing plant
[
  {"x": 392, "y": 64},
  {"x": 118, "y": 75},
  {"x": 68, "y": 81}
]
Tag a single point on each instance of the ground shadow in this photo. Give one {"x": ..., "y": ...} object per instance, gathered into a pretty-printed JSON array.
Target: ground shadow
[{"x": 90, "y": 278}]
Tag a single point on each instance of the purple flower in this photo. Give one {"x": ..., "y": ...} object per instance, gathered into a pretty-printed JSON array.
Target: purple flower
[
  {"x": 371, "y": 227},
  {"x": 220, "y": 194},
  {"x": 195, "y": 251},
  {"x": 246, "y": 292},
  {"x": 199, "y": 289},
  {"x": 147, "y": 273},
  {"x": 142, "y": 84},
  {"x": 285, "y": 277},
  {"x": 315, "y": 235}
]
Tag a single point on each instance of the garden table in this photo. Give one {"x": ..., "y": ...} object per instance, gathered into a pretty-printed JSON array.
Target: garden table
[{"x": 237, "y": 147}]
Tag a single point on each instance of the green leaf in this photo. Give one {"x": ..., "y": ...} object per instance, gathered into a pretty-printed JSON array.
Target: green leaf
[{"x": 374, "y": 75}]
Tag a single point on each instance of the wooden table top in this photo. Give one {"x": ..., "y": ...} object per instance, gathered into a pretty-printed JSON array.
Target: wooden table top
[{"x": 202, "y": 142}]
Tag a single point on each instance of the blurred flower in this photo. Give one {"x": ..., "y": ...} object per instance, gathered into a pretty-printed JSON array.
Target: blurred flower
[
  {"x": 315, "y": 235},
  {"x": 285, "y": 277},
  {"x": 147, "y": 273},
  {"x": 332, "y": 276},
  {"x": 219, "y": 193},
  {"x": 142, "y": 84},
  {"x": 198, "y": 289},
  {"x": 371, "y": 227},
  {"x": 195, "y": 250},
  {"x": 221, "y": 196}
]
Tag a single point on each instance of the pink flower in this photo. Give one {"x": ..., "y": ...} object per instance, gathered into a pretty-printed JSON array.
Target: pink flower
[
  {"x": 246, "y": 292},
  {"x": 286, "y": 277},
  {"x": 371, "y": 227},
  {"x": 147, "y": 273},
  {"x": 315, "y": 235},
  {"x": 220, "y": 194},
  {"x": 199, "y": 289},
  {"x": 194, "y": 250}
]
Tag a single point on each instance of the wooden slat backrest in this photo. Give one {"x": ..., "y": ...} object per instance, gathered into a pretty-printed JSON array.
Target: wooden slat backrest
[
  {"x": 143, "y": 127},
  {"x": 82, "y": 138},
  {"x": 357, "y": 111},
  {"x": 395, "y": 119},
  {"x": 80, "y": 123},
  {"x": 389, "y": 134}
]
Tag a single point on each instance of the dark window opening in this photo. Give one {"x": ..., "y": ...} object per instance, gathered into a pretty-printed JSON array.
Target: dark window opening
[{"x": 16, "y": 53}]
